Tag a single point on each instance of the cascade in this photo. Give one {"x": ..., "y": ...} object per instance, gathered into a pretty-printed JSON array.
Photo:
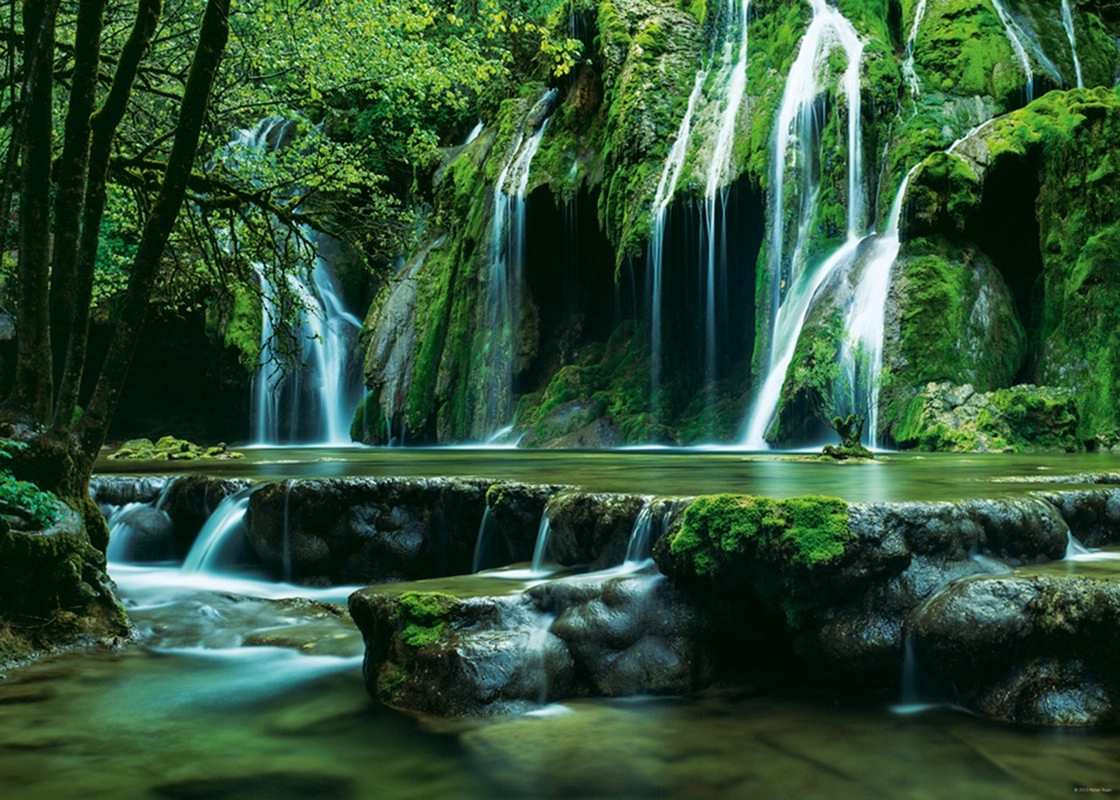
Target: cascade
[
  {"x": 482, "y": 544},
  {"x": 493, "y": 406},
  {"x": 908, "y": 70},
  {"x": 1013, "y": 36},
  {"x": 1067, "y": 23},
  {"x": 796, "y": 139},
  {"x": 305, "y": 361},
  {"x": 638, "y": 549},
  {"x": 666, "y": 187},
  {"x": 540, "y": 549},
  {"x": 220, "y": 539},
  {"x": 721, "y": 157},
  {"x": 861, "y": 356}
]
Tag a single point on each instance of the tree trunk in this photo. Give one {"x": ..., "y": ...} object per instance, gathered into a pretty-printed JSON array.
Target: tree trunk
[
  {"x": 103, "y": 126},
  {"x": 157, "y": 229},
  {"x": 72, "y": 177},
  {"x": 33, "y": 392}
]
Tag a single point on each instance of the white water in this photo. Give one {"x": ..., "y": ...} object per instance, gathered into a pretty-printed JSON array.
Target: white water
[
  {"x": 715, "y": 188},
  {"x": 1016, "y": 40},
  {"x": 861, "y": 357},
  {"x": 221, "y": 535},
  {"x": 666, "y": 188},
  {"x": 1067, "y": 23},
  {"x": 908, "y": 70},
  {"x": 304, "y": 362},
  {"x": 540, "y": 550},
  {"x": 493, "y": 403},
  {"x": 796, "y": 137},
  {"x": 475, "y": 131}
]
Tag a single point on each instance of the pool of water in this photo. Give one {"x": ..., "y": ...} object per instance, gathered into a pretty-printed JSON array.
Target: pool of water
[
  {"x": 237, "y": 690},
  {"x": 666, "y": 472}
]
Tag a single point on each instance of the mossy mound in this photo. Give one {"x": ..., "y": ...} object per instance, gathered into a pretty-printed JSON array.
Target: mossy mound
[
  {"x": 944, "y": 417},
  {"x": 168, "y": 448},
  {"x": 54, "y": 592},
  {"x": 732, "y": 547}
]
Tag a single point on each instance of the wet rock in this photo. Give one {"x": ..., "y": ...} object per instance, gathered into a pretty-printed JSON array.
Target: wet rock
[
  {"x": 515, "y": 511},
  {"x": 1093, "y": 516},
  {"x": 1024, "y": 418},
  {"x": 595, "y": 635},
  {"x": 140, "y": 533},
  {"x": 366, "y": 530},
  {"x": 592, "y": 529},
  {"x": 1032, "y": 649}
]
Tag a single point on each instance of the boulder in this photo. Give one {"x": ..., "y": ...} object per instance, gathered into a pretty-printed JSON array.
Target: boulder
[{"x": 1040, "y": 650}]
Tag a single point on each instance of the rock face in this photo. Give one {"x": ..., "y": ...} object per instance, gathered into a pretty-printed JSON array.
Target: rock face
[
  {"x": 603, "y": 635},
  {"x": 1033, "y": 650},
  {"x": 366, "y": 531},
  {"x": 944, "y": 417}
]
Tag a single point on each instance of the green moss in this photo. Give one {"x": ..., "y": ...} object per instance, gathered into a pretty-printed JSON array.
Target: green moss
[
  {"x": 782, "y": 549},
  {"x": 423, "y": 617},
  {"x": 168, "y": 448},
  {"x": 368, "y": 425}
]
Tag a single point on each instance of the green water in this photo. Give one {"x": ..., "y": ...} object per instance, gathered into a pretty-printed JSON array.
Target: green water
[
  {"x": 667, "y": 472},
  {"x": 192, "y": 712}
]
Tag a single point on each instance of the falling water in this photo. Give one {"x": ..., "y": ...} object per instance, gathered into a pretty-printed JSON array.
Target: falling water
[
  {"x": 861, "y": 357},
  {"x": 493, "y": 406},
  {"x": 715, "y": 188},
  {"x": 666, "y": 187},
  {"x": 795, "y": 139},
  {"x": 540, "y": 550},
  {"x": 908, "y": 70},
  {"x": 1067, "y": 23},
  {"x": 221, "y": 537},
  {"x": 304, "y": 352},
  {"x": 1017, "y": 45}
]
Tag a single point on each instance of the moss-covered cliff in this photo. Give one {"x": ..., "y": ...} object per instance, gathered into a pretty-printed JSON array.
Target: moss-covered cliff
[{"x": 973, "y": 297}]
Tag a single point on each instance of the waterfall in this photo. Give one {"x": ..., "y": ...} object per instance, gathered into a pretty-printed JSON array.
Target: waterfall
[
  {"x": 908, "y": 70},
  {"x": 666, "y": 187},
  {"x": 861, "y": 356},
  {"x": 1013, "y": 36},
  {"x": 540, "y": 550},
  {"x": 795, "y": 140},
  {"x": 493, "y": 405},
  {"x": 307, "y": 335},
  {"x": 1067, "y": 23},
  {"x": 221, "y": 537}
]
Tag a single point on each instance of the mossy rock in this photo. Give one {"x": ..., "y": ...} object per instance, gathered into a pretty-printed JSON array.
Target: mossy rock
[
  {"x": 779, "y": 551},
  {"x": 168, "y": 448},
  {"x": 943, "y": 417}
]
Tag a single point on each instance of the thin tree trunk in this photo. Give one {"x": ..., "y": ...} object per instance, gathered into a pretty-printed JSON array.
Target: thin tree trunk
[
  {"x": 32, "y": 392},
  {"x": 157, "y": 229},
  {"x": 72, "y": 178},
  {"x": 103, "y": 127}
]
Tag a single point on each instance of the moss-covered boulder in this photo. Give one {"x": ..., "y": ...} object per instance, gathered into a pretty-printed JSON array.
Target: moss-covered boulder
[{"x": 944, "y": 417}]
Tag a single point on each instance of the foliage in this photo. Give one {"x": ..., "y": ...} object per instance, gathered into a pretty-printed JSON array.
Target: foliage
[{"x": 23, "y": 498}]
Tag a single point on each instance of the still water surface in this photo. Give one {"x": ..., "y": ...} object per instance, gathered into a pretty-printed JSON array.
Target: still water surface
[{"x": 192, "y": 712}]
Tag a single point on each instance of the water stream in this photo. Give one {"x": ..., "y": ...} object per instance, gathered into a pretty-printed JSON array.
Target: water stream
[
  {"x": 795, "y": 277},
  {"x": 1067, "y": 23},
  {"x": 493, "y": 401}
]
